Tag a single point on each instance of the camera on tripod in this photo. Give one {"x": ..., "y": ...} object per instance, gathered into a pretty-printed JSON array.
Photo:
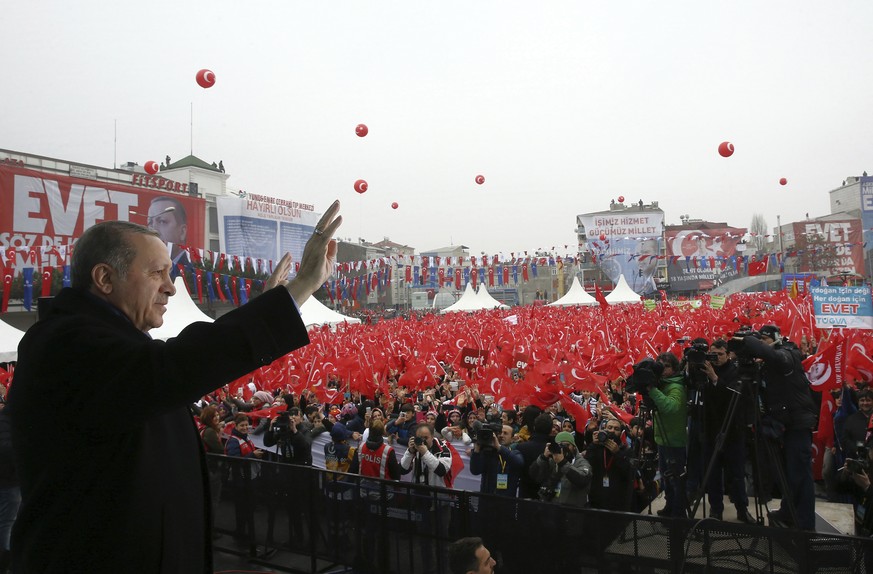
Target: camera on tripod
[
  {"x": 282, "y": 425},
  {"x": 861, "y": 462},
  {"x": 698, "y": 354},
  {"x": 645, "y": 374}
]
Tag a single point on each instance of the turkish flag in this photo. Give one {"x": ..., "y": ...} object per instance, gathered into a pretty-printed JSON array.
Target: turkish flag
[
  {"x": 505, "y": 275},
  {"x": 758, "y": 267},
  {"x": 442, "y": 276},
  {"x": 409, "y": 273},
  {"x": 491, "y": 277},
  {"x": 46, "y": 281},
  {"x": 524, "y": 272},
  {"x": 457, "y": 279},
  {"x": 474, "y": 275},
  {"x": 598, "y": 295},
  {"x": 826, "y": 369}
]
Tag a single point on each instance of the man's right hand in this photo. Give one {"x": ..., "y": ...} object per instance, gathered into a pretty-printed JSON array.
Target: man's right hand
[{"x": 319, "y": 256}]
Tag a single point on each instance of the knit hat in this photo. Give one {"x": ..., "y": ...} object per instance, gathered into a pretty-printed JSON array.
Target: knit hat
[
  {"x": 264, "y": 397},
  {"x": 339, "y": 432},
  {"x": 565, "y": 437}
]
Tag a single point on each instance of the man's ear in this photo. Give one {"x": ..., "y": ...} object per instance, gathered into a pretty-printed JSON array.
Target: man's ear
[
  {"x": 184, "y": 232},
  {"x": 101, "y": 278}
]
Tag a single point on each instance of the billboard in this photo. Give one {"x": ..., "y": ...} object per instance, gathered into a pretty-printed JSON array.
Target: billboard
[
  {"x": 842, "y": 307},
  {"x": 263, "y": 227},
  {"x": 48, "y": 211},
  {"x": 834, "y": 246},
  {"x": 691, "y": 246},
  {"x": 626, "y": 243}
]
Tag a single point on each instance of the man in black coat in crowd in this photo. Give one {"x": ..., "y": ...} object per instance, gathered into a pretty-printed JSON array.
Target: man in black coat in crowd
[
  {"x": 531, "y": 450},
  {"x": 126, "y": 489}
]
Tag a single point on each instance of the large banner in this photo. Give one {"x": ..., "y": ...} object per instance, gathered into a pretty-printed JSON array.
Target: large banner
[
  {"x": 838, "y": 307},
  {"x": 264, "y": 227},
  {"x": 833, "y": 246},
  {"x": 43, "y": 212},
  {"x": 626, "y": 243},
  {"x": 867, "y": 213},
  {"x": 698, "y": 257}
]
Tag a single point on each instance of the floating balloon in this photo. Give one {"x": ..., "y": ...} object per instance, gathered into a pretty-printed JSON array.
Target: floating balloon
[
  {"x": 726, "y": 149},
  {"x": 362, "y": 130},
  {"x": 361, "y": 186},
  {"x": 783, "y": 181},
  {"x": 151, "y": 167},
  {"x": 602, "y": 237},
  {"x": 206, "y": 78},
  {"x": 394, "y": 205},
  {"x": 480, "y": 179},
  {"x": 621, "y": 199}
]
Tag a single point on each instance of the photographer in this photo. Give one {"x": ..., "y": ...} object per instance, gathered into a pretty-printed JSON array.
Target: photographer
[
  {"x": 613, "y": 477},
  {"x": 788, "y": 403},
  {"x": 663, "y": 386},
  {"x": 563, "y": 474},
  {"x": 499, "y": 466},
  {"x": 722, "y": 386}
]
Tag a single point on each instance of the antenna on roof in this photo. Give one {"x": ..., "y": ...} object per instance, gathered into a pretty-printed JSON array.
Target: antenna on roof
[{"x": 192, "y": 128}]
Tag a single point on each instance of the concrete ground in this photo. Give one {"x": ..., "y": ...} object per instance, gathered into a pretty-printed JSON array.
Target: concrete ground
[{"x": 831, "y": 518}]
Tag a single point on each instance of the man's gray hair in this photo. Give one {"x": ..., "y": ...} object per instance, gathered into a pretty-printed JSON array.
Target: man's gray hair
[{"x": 108, "y": 243}]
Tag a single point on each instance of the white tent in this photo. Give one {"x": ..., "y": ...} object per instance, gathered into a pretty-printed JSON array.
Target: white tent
[
  {"x": 443, "y": 299},
  {"x": 576, "y": 295},
  {"x": 486, "y": 301},
  {"x": 9, "y": 339},
  {"x": 314, "y": 313},
  {"x": 181, "y": 312},
  {"x": 467, "y": 302},
  {"x": 623, "y": 293}
]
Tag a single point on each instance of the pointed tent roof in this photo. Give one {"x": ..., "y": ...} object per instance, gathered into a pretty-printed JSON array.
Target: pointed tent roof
[
  {"x": 623, "y": 293},
  {"x": 576, "y": 295},
  {"x": 314, "y": 314},
  {"x": 191, "y": 161},
  {"x": 486, "y": 301},
  {"x": 467, "y": 302},
  {"x": 9, "y": 339},
  {"x": 181, "y": 312}
]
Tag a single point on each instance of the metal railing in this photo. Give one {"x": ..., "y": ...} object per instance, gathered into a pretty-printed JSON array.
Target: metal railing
[{"x": 303, "y": 519}]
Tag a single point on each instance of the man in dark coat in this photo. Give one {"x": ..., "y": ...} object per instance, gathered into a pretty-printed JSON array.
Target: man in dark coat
[
  {"x": 126, "y": 489},
  {"x": 531, "y": 450}
]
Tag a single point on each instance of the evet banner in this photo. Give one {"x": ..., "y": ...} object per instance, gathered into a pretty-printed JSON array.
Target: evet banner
[
  {"x": 834, "y": 246},
  {"x": 42, "y": 210},
  {"x": 472, "y": 358},
  {"x": 842, "y": 307}
]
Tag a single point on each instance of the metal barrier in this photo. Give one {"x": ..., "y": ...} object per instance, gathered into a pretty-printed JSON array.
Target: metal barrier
[{"x": 303, "y": 519}]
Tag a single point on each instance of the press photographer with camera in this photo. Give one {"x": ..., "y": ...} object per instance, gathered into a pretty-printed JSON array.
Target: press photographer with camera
[
  {"x": 612, "y": 480},
  {"x": 662, "y": 385},
  {"x": 563, "y": 475},
  {"x": 789, "y": 405},
  {"x": 499, "y": 466}
]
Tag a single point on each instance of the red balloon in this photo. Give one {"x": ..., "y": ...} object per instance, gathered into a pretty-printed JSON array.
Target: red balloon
[
  {"x": 206, "y": 78},
  {"x": 151, "y": 167},
  {"x": 726, "y": 149},
  {"x": 602, "y": 237},
  {"x": 621, "y": 199},
  {"x": 394, "y": 205},
  {"x": 361, "y": 186},
  {"x": 480, "y": 179},
  {"x": 362, "y": 130},
  {"x": 783, "y": 181}
]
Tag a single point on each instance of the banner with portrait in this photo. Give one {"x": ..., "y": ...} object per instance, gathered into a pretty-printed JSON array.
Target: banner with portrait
[
  {"x": 46, "y": 211},
  {"x": 698, "y": 259},
  {"x": 626, "y": 244}
]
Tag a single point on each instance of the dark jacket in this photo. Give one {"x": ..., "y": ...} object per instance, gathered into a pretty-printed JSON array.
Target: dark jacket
[
  {"x": 125, "y": 489},
  {"x": 8, "y": 473},
  {"x": 854, "y": 432},
  {"x": 787, "y": 396},
  {"x": 530, "y": 450},
  {"x": 616, "y": 493},
  {"x": 716, "y": 404},
  {"x": 490, "y": 463}
]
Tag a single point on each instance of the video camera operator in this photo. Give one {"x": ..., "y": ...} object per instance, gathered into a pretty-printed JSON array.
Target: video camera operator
[
  {"x": 611, "y": 462},
  {"x": 662, "y": 385},
  {"x": 721, "y": 387},
  {"x": 293, "y": 441},
  {"x": 789, "y": 406},
  {"x": 499, "y": 466}
]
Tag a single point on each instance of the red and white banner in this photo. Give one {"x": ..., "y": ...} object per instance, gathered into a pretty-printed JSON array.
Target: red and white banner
[{"x": 50, "y": 210}]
